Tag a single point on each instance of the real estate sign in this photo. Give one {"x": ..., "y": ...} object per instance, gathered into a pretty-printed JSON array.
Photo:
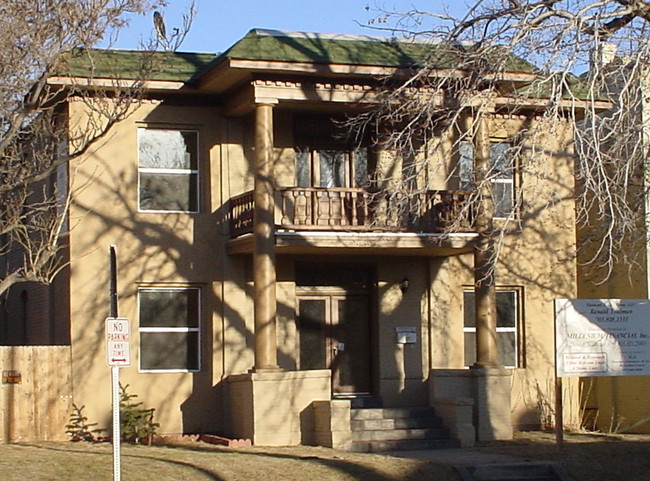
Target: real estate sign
[{"x": 602, "y": 337}]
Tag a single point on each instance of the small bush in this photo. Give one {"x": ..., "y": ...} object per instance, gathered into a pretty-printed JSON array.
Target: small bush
[
  {"x": 136, "y": 422},
  {"x": 79, "y": 428}
]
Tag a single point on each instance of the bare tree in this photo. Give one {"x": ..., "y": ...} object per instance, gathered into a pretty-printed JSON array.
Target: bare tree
[
  {"x": 40, "y": 40},
  {"x": 586, "y": 64}
]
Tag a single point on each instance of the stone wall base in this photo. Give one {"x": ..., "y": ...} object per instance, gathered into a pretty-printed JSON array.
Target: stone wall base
[
  {"x": 489, "y": 390},
  {"x": 332, "y": 424},
  {"x": 275, "y": 408}
]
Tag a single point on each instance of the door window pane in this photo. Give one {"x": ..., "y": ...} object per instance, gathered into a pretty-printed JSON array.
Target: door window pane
[
  {"x": 360, "y": 156},
  {"x": 303, "y": 167},
  {"x": 466, "y": 164},
  {"x": 351, "y": 333},
  {"x": 332, "y": 168},
  {"x": 312, "y": 324}
]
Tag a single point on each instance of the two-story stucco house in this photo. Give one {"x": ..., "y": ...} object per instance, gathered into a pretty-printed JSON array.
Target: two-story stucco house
[{"x": 272, "y": 283}]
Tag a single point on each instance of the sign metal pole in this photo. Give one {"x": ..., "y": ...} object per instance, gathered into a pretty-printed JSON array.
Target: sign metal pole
[
  {"x": 115, "y": 372},
  {"x": 117, "y": 468}
]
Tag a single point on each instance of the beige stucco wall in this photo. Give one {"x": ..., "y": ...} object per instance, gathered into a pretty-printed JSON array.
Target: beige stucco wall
[
  {"x": 402, "y": 367},
  {"x": 616, "y": 403},
  {"x": 189, "y": 249},
  {"x": 167, "y": 249},
  {"x": 620, "y": 403},
  {"x": 541, "y": 258},
  {"x": 537, "y": 256}
]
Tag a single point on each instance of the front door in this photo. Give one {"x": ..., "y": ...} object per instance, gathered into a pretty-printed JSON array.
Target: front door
[{"x": 334, "y": 332}]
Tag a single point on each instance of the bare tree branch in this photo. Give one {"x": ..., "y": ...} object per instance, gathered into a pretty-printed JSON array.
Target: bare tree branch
[
  {"x": 39, "y": 39},
  {"x": 583, "y": 55}
]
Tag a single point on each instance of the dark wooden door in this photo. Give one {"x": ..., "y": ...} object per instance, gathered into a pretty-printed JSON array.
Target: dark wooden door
[{"x": 334, "y": 334}]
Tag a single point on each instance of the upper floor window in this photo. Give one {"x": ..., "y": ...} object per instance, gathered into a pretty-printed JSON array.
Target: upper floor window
[
  {"x": 331, "y": 167},
  {"x": 169, "y": 329},
  {"x": 501, "y": 174},
  {"x": 168, "y": 170},
  {"x": 508, "y": 327}
]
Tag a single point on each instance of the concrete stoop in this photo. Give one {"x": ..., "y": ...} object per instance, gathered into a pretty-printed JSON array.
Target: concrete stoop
[
  {"x": 395, "y": 429},
  {"x": 514, "y": 472}
]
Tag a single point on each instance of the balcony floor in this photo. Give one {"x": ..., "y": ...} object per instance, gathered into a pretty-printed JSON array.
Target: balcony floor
[{"x": 361, "y": 243}]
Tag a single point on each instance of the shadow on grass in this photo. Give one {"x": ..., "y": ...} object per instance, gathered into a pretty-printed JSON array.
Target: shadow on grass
[
  {"x": 334, "y": 460},
  {"x": 409, "y": 470},
  {"x": 210, "y": 474},
  {"x": 585, "y": 456}
]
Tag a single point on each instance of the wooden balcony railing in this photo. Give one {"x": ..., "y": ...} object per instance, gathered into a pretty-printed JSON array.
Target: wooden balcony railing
[{"x": 358, "y": 210}]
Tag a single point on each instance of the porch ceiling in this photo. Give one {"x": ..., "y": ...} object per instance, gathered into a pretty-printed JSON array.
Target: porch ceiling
[{"x": 362, "y": 243}]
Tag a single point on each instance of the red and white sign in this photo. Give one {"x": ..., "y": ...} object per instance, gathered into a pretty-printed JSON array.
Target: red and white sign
[{"x": 118, "y": 339}]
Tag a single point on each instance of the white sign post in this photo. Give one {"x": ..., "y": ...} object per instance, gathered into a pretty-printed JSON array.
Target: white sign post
[{"x": 118, "y": 354}]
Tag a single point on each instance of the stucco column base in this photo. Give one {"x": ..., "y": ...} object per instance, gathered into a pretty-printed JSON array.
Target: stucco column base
[
  {"x": 275, "y": 408},
  {"x": 488, "y": 389},
  {"x": 332, "y": 424},
  {"x": 492, "y": 411},
  {"x": 457, "y": 414}
]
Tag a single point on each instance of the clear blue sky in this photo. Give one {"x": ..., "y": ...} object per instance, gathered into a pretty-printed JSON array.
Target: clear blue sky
[{"x": 220, "y": 23}]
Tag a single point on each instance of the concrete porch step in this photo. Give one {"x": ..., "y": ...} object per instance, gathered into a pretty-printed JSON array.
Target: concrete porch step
[
  {"x": 393, "y": 429},
  {"x": 514, "y": 472},
  {"x": 396, "y": 423},
  {"x": 392, "y": 413},
  {"x": 402, "y": 445},
  {"x": 399, "y": 434}
]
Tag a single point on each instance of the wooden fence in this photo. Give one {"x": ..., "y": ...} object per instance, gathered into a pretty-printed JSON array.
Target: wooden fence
[{"x": 36, "y": 393}]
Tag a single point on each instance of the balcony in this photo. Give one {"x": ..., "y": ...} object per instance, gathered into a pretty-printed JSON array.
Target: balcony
[{"x": 355, "y": 210}]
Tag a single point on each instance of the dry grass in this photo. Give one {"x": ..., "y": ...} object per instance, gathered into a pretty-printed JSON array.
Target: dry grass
[
  {"x": 198, "y": 461},
  {"x": 585, "y": 457}
]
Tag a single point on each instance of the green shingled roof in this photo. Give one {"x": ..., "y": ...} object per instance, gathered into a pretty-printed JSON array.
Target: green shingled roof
[
  {"x": 129, "y": 64},
  {"x": 568, "y": 85},
  {"x": 269, "y": 45},
  {"x": 353, "y": 50}
]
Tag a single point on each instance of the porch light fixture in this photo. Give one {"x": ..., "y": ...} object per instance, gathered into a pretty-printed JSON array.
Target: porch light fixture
[{"x": 404, "y": 285}]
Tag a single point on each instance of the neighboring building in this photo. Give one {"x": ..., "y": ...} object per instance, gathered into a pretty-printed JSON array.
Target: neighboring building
[
  {"x": 270, "y": 283},
  {"x": 621, "y": 403}
]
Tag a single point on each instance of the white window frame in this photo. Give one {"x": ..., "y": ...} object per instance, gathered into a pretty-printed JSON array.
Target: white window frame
[
  {"x": 185, "y": 172},
  {"x": 467, "y": 181},
  {"x": 507, "y": 177},
  {"x": 516, "y": 329},
  {"x": 188, "y": 329}
]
